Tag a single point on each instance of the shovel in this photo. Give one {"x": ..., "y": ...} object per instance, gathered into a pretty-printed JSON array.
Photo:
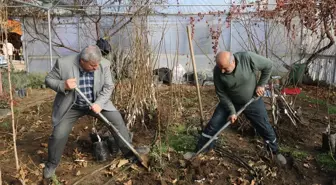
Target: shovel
[
  {"x": 190, "y": 156},
  {"x": 143, "y": 159}
]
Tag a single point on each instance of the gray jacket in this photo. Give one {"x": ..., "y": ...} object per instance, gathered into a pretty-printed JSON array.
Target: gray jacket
[{"x": 68, "y": 67}]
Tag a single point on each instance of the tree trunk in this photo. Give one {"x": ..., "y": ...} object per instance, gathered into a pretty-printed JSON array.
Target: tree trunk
[
  {"x": 331, "y": 42},
  {"x": 328, "y": 142}
]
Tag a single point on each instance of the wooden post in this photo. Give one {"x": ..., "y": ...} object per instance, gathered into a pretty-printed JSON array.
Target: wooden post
[
  {"x": 195, "y": 75},
  {"x": 11, "y": 102},
  {"x": 1, "y": 90}
]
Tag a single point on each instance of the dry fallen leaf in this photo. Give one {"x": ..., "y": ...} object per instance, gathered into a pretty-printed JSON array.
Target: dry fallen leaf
[
  {"x": 22, "y": 129},
  {"x": 23, "y": 172},
  {"x": 135, "y": 167},
  {"x": 36, "y": 172},
  {"x": 122, "y": 163},
  {"x": 42, "y": 165},
  {"x": 128, "y": 182},
  {"x": 71, "y": 167},
  {"x": 121, "y": 177},
  {"x": 174, "y": 181},
  {"x": 306, "y": 165},
  {"x": 251, "y": 163},
  {"x": 108, "y": 173},
  {"x": 64, "y": 182},
  {"x": 3, "y": 152},
  {"x": 84, "y": 164},
  {"x": 241, "y": 170},
  {"x": 114, "y": 165},
  {"x": 310, "y": 158},
  {"x": 45, "y": 145},
  {"x": 78, "y": 173},
  {"x": 40, "y": 152},
  {"x": 182, "y": 163}
]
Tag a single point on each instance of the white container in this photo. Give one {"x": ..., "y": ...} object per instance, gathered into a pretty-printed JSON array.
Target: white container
[{"x": 2, "y": 60}]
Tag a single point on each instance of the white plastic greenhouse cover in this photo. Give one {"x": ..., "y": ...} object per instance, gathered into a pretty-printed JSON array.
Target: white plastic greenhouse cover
[{"x": 169, "y": 25}]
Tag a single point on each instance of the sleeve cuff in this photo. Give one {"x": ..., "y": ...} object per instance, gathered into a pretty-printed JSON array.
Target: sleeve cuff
[{"x": 99, "y": 103}]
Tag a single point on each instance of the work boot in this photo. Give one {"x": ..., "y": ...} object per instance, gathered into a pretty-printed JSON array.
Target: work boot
[
  {"x": 48, "y": 172},
  {"x": 201, "y": 142},
  {"x": 281, "y": 159},
  {"x": 113, "y": 146}
]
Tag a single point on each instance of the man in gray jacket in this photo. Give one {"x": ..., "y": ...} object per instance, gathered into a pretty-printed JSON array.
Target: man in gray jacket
[{"x": 91, "y": 74}]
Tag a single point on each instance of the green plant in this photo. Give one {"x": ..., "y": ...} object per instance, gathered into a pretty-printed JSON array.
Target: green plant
[
  {"x": 23, "y": 80},
  {"x": 295, "y": 153},
  {"x": 331, "y": 108},
  {"x": 36, "y": 80},
  {"x": 4, "y": 102},
  {"x": 326, "y": 161},
  {"x": 180, "y": 140},
  {"x": 55, "y": 180},
  {"x": 5, "y": 125},
  {"x": 155, "y": 155},
  {"x": 18, "y": 80}
]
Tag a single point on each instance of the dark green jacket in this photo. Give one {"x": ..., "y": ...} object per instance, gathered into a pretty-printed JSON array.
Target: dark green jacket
[{"x": 239, "y": 86}]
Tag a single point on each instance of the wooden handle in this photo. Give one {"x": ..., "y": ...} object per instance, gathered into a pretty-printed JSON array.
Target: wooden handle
[{"x": 195, "y": 76}]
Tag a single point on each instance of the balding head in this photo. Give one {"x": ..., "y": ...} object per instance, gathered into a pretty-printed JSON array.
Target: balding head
[{"x": 225, "y": 61}]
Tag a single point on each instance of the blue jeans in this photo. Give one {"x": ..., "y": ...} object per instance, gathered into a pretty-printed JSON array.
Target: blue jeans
[{"x": 255, "y": 112}]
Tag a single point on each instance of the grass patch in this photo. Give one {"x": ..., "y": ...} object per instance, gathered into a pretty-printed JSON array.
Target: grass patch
[
  {"x": 55, "y": 180},
  {"x": 304, "y": 96},
  {"x": 295, "y": 153},
  {"x": 157, "y": 150},
  {"x": 326, "y": 161},
  {"x": 180, "y": 140},
  {"x": 331, "y": 108},
  {"x": 5, "y": 125}
]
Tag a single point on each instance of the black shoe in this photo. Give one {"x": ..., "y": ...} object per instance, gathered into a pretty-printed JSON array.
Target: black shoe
[
  {"x": 130, "y": 156},
  {"x": 112, "y": 146},
  {"x": 141, "y": 151},
  {"x": 201, "y": 142},
  {"x": 48, "y": 172}
]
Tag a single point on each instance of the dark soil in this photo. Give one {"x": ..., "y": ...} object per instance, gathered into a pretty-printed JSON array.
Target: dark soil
[{"x": 177, "y": 105}]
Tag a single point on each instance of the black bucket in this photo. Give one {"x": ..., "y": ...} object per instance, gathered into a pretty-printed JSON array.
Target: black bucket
[{"x": 100, "y": 149}]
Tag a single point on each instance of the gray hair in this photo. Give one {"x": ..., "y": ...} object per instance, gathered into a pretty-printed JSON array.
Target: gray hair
[{"x": 91, "y": 53}]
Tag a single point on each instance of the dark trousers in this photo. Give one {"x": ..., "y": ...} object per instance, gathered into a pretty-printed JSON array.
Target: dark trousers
[
  {"x": 61, "y": 131},
  {"x": 255, "y": 112}
]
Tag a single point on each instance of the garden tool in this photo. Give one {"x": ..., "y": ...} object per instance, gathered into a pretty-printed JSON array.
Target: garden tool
[
  {"x": 190, "y": 156},
  {"x": 142, "y": 159}
]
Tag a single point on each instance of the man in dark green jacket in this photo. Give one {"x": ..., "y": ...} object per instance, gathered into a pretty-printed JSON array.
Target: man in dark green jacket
[{"x": 236, "y": 83}]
